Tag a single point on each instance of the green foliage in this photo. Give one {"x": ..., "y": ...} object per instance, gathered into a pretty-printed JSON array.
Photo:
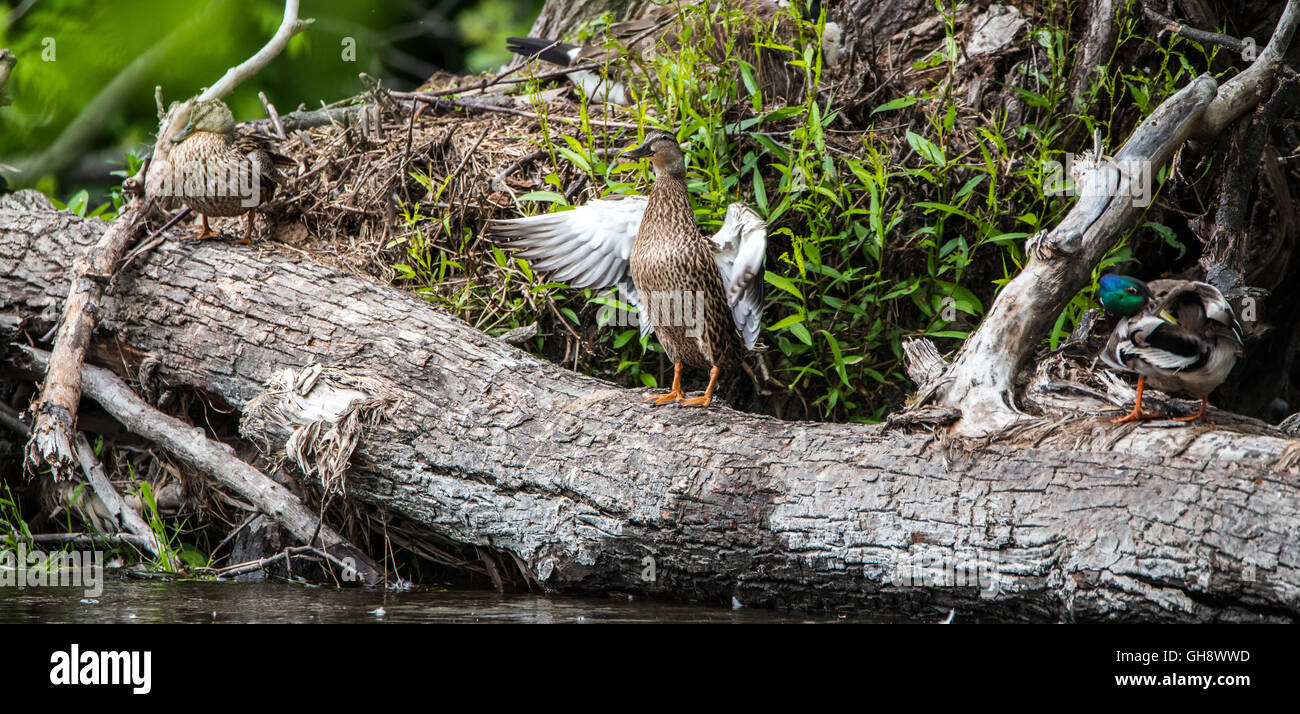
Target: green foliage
[
  {"x": 13, "y": 529},
  {"x": 906, "y": 228},
  {"x": 173, "y": 552}
]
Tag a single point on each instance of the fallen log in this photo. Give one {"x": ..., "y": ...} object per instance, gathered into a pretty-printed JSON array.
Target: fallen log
[{"x": 484, "y": 444}]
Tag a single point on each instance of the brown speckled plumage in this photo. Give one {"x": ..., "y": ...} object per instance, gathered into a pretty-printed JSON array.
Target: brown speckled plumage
[
  {"x": 671, "y": 257},
  {"x": 211, "y": 148}
]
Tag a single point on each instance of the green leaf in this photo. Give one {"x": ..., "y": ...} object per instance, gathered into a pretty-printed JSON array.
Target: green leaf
[
  {"x": 798, "y": 330},
  {"x": 1168, "y": 234},
  {"x": 77, "y": 204},
  {"x": 790, "y": 320},
  {"x": 546, "y": 196},
  {"x": 900, "y": 103},
  {"x": 624, "y": 337},
  {"x": 784, "y": 113},
  {"x": 783, "y": 283},
  {"x": 926, "y": 148}
]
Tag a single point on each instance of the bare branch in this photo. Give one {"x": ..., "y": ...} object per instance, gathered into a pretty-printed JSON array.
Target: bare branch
[
  {"x": 1193, "y": 34},
  {"x": 236, "y": 75},
  {"x": 125, "y": 515}
]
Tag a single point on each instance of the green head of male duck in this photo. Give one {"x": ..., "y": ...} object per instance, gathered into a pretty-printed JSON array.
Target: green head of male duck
[
  {"x": 208, "y": 115},
  {"x": 664, "y": 152},
  {"x": 1123, "y": 294}
]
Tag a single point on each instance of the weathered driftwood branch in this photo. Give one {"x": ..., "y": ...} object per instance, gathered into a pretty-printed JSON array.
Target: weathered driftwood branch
[
  {"x": 592, "y": 490},
  {"x": 123, "y": 515},
  {"x": 92, "y": 540},
  {"x": 190, "y": 446},
  {"x": 981, "y": 380},
  {"x": 52, "y": 437}
]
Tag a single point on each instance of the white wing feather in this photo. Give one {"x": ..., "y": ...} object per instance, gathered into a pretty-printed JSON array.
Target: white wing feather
[
  {"x": 740, "y": 247},
  {"x": 587, "y": 247}
]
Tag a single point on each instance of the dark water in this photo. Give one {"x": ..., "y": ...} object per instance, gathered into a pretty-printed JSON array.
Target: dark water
[{"x": 124, "y": 600}]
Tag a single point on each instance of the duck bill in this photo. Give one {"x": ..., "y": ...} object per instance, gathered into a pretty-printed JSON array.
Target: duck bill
[
  {"x": 183, "y": 134},
  {"x": 637, "y": 152}
]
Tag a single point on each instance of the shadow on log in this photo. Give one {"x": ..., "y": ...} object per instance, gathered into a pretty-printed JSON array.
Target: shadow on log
[{"x": 1068, "y": 519}]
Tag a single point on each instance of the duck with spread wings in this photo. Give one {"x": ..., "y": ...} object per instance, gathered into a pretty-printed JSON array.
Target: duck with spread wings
[{"x": 701, "y": 296}]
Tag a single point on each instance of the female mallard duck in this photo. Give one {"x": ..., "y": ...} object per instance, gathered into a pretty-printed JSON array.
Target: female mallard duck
[
  {"x": 1180, "y": 335},
  {"x": 217, "y": 171},
  {"x": 664, "y": 26},
  {"x": 701, "y": 296}
]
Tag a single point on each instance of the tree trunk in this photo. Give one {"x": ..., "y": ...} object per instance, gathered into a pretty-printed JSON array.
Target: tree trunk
[
  {"x": 592, "y": 490},
  {"x": 559, "y": 19}
]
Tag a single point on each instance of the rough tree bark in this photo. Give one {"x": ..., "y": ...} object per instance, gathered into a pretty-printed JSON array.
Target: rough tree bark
[
  {"x": 560, "y": 18},
  {"x": 592, "y": 490}
]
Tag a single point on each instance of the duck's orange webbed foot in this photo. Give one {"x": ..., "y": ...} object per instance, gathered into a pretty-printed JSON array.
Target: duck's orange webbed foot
[
  {"x": 1137, "y": 414},
  {"x": 708, "y": 392},
  {"x": 248, "y": 234},
  {"x": 672, "y": 396},
  {"x": 675, "y": 394},
  {"x": 206, "y": 232},
  {"x": 1198, "y": 416}
]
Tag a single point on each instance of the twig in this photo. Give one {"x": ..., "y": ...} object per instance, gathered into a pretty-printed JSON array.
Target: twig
[
  {"x": 469, "y": 154},
  {"x": 233, "y": 533},
  {"x": 90, "y": 540},
  {"x": 237, "y": 569},
  {"x": 1193, "y": 34},
  {"x": 149, "y": 243},
  {"x": 273, "y": 115},
  {"x": 483, "y": 106},
  {"x": 498, "y": 182},
  {"x": 586, "y": 66},
  {"x": 218, "y": 461},
  {"x": 301, "y": 551}
]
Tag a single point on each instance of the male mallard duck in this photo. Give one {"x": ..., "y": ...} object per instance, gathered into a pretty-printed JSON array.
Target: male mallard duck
[
  {"x": 663, "y": 25},
  {"x": 213, "y": 166},
  {"x": 1181, "y": 335},
  {"x": 701, "y": 296}
]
